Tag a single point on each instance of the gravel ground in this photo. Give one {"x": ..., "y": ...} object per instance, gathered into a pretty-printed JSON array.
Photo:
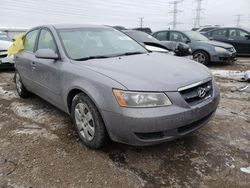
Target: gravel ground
[{"x": 39, "y": 148}]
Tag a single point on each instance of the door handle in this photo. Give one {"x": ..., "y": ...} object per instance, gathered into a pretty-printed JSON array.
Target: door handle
[{"x": 33, "y": 65}]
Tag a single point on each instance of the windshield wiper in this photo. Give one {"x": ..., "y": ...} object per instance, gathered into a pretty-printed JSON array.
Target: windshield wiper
[
  {"x": 92, "y": 57},
  {"x": 107, "y": 56},
  {"x": 131, "y": 53}
]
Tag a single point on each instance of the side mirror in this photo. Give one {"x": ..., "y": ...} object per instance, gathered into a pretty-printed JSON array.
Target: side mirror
[
  {"x": 46, "y": 54},
  {"x": 183, "y": 49},
  {"x": 248, "y": 37},
  {"x": 185, "y": 40}
]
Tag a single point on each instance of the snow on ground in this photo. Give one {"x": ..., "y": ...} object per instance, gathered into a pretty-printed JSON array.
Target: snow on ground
[
  {"x": 28, "y": 111},
  {"x": 230, "y": 74},
  {"x": 33, "y": 129},
  {"x": 6, "y": 94},
  {"x": 245, "y": 169}
]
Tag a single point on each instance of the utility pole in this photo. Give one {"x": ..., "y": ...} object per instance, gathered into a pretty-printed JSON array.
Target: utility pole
[
  {"x": 198, "y": 10},
  {"x": 141, "y": 21},
  {"x": 238, "y": 19},
  {"x": 175, "y": 12}
]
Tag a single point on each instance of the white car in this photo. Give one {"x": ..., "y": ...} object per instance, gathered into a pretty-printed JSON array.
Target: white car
[{"x": 5, "y": 43}]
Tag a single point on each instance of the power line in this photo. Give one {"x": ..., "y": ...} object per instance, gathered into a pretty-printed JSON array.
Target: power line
[
  {"x": 198, "y": 10},
  {"x": 141, "y": 21},
  {"x": 175, "y": 11}
]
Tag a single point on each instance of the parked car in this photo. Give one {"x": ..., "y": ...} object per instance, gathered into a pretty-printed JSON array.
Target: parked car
[
  {"x": 118, "y": 27},
  {"x": 238, "y": 37},
  {"x": 204, "y": 29},
  {"x": 5, "y": 61},
  {"x": 112, "y": 87},
  {"x": 153, "y": 44},
  {"x": 204, "y": 50},
  {"x": 143, "y": 29}
]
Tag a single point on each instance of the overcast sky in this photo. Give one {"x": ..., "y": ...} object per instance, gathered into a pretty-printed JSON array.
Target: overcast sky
[{"x": 27, "y": 13}]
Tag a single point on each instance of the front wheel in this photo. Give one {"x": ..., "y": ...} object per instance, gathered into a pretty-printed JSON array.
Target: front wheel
[
  {"x": 88, "y": 122},
  {"x": 201, "y": 57},
  {"x": 21, "y": 90}
]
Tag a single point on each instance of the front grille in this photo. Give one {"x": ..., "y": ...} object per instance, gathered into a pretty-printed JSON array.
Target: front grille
[
  {"x": 3, "y": 56},
  {"x": 3, "y": 53},
  {"x": 194, "y": 125},
  {"x": 173, "y": 132},
  {"x": 198, "y": 94}
]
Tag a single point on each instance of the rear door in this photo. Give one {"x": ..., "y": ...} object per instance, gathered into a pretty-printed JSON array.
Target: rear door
[
  {"x": 25, "y": 58},
  {"x": 47, "y": 72},
  {"x": 239, "y": 41}
]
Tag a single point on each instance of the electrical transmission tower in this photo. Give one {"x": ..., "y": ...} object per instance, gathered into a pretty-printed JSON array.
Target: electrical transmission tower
[
  {"x": 238, "y": 20},
  {"x": 175, "y": 12},
  {"x": 141, "y": 21},
  {"x": 198, "y": 10}
]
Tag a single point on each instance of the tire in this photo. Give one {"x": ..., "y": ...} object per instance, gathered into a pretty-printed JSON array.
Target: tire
[
  {"x": 21, "y": 90},
  {"x": 88, "y": 122},
  {"x": 201, "y": 57}
]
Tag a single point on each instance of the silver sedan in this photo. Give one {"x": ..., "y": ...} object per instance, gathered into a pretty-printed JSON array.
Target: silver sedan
[{"x": 112, "y": 87}]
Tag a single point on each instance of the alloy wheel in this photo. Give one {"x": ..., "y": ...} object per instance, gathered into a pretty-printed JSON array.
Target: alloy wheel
[
  {"x": 84, "y": 121},
  {"x": 200, "y": 57}
]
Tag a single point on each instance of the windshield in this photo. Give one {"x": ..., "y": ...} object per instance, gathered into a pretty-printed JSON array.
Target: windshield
[
  {"x": 84, "y": 43},
  {"x": 195, "y": 36}
]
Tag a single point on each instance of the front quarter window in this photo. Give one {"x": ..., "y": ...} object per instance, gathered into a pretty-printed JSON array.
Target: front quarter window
[{"x": 30, "y": 40}]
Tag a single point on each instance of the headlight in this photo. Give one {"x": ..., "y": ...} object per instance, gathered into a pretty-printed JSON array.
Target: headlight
[
  {"x": 141, "y": 99},
  {"x": 220, "y": 49}
]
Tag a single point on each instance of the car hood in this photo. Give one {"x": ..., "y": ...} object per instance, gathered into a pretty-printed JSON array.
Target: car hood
[
  {"x": 216, "y": 43},
  {"x": 4, "y": 45},
  {"x": 149, "y": 72}
]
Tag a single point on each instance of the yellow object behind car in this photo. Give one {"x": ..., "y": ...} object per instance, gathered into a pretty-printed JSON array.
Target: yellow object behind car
[{"x": 17, "y": 46}]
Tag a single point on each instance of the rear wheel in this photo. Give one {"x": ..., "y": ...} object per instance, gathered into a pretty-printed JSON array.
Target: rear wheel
[
  {"x": 201, "y": 57},
  {"x": 88, "y": 122},
  {"x": 21, "y": 90}
]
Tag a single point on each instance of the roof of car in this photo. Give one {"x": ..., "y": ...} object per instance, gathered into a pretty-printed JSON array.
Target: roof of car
[
  {"x": 68, "y": 26},
  {"x": 229, "y": 28}
]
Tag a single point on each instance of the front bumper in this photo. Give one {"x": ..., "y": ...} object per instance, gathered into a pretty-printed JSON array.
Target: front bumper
[
  {"x": 148, "y": 126},
  {"x": 223, "y": 57},
  {"x": 6, "y": 61}
]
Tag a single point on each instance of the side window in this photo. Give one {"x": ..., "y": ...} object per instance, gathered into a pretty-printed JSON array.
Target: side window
[
  {"x": 30, "y": 40},
  {"x": 177, "y": 36},
  {"x": 219, "y": 33},
  {"x": 46, "y": 41},
  {"x": 237, "y": 33},
  {"x": 161, "y": 35},
  {"x": 242, "y": 33}
]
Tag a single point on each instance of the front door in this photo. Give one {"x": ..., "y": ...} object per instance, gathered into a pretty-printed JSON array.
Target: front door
[
  {"x": 239, "y": 41},
  {"x": 47, "y": 72},
  {"x": 25, "y": 58}
]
